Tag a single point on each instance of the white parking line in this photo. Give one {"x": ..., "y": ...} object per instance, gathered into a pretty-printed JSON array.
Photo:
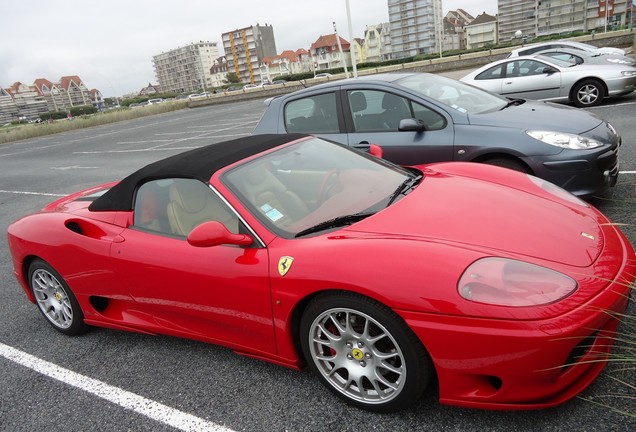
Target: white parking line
[
  {"x": 149, "y": 408},
  {"x": 31, "y": 193}
]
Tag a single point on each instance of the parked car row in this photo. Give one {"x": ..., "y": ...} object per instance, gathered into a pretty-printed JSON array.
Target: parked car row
[
  {"x": 424, "y": 118},
  {"x": 557, "y": 75}
]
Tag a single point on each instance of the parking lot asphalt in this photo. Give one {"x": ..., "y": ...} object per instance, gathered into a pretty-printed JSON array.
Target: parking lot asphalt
[{"x": 163, "y": 384}]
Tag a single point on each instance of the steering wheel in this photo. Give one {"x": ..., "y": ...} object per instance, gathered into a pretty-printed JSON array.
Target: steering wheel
[{"x": 329, "y": 186}]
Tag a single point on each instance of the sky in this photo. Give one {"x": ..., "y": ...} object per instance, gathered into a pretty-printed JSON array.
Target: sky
[{"x": 110, "y": 44}]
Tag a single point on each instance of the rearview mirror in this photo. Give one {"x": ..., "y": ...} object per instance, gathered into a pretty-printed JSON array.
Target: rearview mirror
[{"x": 214, "y": 233}]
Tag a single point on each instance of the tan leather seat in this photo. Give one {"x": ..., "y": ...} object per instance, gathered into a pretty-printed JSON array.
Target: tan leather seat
[
  {"x": 272, "y": 198},
  {"x": 192, "y": 203}
]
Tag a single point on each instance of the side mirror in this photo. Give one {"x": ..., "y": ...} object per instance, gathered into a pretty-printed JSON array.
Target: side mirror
[
  {"x": 411, "y": 125},
  {"x": 214, "y": 233},
  {"x": 550, "y": 70},
  {"x": 376, "y": 150}
]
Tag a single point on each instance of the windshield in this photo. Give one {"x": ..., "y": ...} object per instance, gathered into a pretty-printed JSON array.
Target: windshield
[
  {"x": 300, "y": 187},
  {"x": 556, "y": 61},
  {"x": 454, "y": 94}
]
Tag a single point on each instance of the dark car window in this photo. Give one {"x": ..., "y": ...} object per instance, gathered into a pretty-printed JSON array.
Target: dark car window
[
  {"x": 176, "y": 206},
  {"x": 525, "y": 68},
  {"x": 494, "y": 72},
  {"x": 313, "y": 114},
  {"x": 380, "y": 111},
  {"x": 566, "y": 57},
  {"x": 533, "y": 50}
]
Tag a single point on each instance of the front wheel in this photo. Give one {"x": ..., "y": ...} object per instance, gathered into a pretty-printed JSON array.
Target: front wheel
[
  {"x": 588, "y": 93},
  {"x": 55, "y": 299},
  {"x": 364, "y": 352}
]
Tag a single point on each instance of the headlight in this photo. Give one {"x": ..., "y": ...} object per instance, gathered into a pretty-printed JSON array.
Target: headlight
[
  {"x": 564, "y": 140},
  {"x": 628, "y": 73},
  {"x": 506, "y": 282}
]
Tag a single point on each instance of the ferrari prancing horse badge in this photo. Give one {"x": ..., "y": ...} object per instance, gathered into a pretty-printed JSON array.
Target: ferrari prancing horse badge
[{"x": 284, "y": 264}]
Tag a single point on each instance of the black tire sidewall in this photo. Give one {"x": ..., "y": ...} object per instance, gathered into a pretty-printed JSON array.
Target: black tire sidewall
[{"x": 417, "y": 360}]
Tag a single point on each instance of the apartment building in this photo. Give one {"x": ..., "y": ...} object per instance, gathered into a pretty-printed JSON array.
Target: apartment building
[
  {"x": 416, "y": 27},
  {"x": 482, "y": 31},
  {"x": 22, "y": 101},
  {"x": 454, "y": 35},
  {"x": 245, "y": 50},
  {"x": 377, "y": 42},
  {"x": 538, "y": 18},
  {"x": 186, "y": 69},
  {"x": 326, "y": 53}
]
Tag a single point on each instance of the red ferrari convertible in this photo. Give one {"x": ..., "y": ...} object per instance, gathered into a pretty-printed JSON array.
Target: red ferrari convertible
[{"x": 298, "y": 251}]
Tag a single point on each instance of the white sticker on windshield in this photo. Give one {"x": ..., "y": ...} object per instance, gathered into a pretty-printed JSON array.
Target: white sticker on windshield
[{"x": 271, "y": 212}]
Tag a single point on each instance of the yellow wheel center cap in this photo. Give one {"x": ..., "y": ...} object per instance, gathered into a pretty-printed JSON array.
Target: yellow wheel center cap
[
  {"x": 58, "y": 296},
  {"x": 357, "y": 354}
]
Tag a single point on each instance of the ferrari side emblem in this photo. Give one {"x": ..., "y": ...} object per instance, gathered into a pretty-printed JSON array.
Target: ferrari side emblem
[{"x": 284, "y": 264}]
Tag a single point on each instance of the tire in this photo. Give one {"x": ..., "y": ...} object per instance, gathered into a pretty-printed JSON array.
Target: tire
[
  {"x": 588, "y": 93},
  {"x": 55, "y": 300},
  {"x": 509, "y": 163},
  {"x": 364, "y": 353}
]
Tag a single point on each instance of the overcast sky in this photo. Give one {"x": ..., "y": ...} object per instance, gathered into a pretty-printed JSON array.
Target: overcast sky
[{"x": 110, "y": 44}]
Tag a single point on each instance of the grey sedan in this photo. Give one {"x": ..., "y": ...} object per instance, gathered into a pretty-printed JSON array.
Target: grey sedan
[
  {"x": 579, "y": 57},
  {"x": 424, "y": 118},
  {"x": 545, "y": 78},
  {"x": 580, "y": 46}
]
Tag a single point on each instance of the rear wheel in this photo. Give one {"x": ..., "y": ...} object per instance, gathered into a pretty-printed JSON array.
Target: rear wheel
[
  {"x": 363, "y": 352},
  {"x": 588, "y": 93},
  {"x": 55, "y": 299}
]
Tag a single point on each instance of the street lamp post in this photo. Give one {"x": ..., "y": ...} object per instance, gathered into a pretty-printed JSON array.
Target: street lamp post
[
  {"x": 352, "y": 46},
  {"x": 342, "y": 57}
]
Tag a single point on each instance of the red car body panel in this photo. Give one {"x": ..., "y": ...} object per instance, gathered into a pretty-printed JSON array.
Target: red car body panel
[{"x": 408, "y": 257}]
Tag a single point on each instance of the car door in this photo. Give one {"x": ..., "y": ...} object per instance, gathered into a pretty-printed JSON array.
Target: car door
[
  {"x": 530, "y": 79},
  {"x": 218, "y": 293},
  {"x": 373, "y": 116},
  {"x": 318, "y": 114}
]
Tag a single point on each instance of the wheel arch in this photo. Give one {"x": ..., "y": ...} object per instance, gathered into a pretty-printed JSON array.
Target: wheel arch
[
  {"x": 571, "y": 96},
  {"x": 484, "y": 158},
  {"x": 301, "y": 306}
]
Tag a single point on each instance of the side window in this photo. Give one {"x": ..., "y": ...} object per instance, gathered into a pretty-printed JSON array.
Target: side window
[
  {"x": 314, "y": 114},
  {"x": 512, "y": 69},
  {"x": 492, "y": 73},
  {"x": 176, "y": 206},
  {"x": 377, "y": 111},
  {"x": 432, "y": 120},
  {"x": 531, "y": 67}
]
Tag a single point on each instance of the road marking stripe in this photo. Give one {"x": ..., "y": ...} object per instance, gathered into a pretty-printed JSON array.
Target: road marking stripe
[
  {"x": 149, "y": 408},
  {"x": 31, "y": 193}
]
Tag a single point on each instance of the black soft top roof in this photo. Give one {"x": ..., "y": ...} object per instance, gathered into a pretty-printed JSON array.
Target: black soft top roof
[{"x": 200, "y": 163}]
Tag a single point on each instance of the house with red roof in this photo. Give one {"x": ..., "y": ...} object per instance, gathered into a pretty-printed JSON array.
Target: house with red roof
[{"x": 327, "y": 55}]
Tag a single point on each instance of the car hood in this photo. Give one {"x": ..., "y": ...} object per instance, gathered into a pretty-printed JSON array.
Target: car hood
[
  {"x": 478, "y": 214},
  {"x": 539, "y": 115}
]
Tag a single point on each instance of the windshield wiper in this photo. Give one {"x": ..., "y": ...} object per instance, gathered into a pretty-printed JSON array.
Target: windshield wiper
[
  {"x": 335, "y": 223},
  {"x": 405, "y": 187},
  {"x": 512, "y": 102}
]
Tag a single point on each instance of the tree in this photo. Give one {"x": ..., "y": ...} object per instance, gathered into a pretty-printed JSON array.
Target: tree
[{"x": 233, "y": 78}]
